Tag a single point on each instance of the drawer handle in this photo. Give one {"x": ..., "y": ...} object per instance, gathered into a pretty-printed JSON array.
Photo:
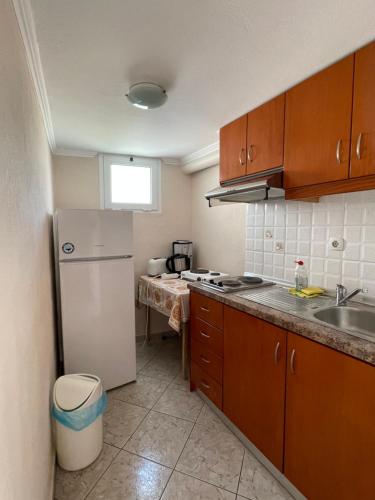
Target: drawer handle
[
  {"x": 292, "y": 361},
  {"x": 276, "y": 354},
  {"x": 205, "y": 360},
  {"x": 206, "y": 386},
  {"x": 338, "y": 151},
  {"x": 205, "y": 309},
  {"x": 205, "y": 335},
  {"x": 358, "y": 148}
]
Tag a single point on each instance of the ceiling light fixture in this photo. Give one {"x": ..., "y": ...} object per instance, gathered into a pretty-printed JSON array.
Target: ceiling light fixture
[{"x": 146, "y": 95}]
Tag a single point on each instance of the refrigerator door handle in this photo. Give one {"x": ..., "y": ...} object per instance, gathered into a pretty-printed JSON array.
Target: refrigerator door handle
[{"x": 97, "y": 259}]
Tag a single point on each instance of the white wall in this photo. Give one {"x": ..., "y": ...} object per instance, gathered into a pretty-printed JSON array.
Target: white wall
[
  {"x": 76, "y": 182},
  {"x": 76, "y": 185},
  {"x": 27, "y": 364},
  {"x": 304, "y": 230},
  {"x": 218, "y": 232}
]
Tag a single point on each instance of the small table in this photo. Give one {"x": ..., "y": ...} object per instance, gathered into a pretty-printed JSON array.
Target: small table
[{"x": 170, "y": 298}]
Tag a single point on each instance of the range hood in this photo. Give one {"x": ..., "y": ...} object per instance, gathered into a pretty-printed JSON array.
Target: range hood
[{"x": 256, "y": 187}]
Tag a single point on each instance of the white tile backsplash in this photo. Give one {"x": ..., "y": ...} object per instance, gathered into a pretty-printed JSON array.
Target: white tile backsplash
[{"x": 303, "y": 231}]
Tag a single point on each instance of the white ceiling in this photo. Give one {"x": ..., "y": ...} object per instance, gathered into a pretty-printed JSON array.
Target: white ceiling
[{"x": 216, "y": 58}]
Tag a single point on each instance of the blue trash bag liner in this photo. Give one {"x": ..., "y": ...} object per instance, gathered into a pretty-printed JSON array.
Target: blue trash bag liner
[{"x": 81, "y": 418}]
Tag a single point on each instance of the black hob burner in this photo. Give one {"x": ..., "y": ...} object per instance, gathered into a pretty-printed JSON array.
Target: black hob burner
[
  {"x": 201, "y": 271},
  {"x": 236, "y": 283},
  {"x": 250, "y": 279}
]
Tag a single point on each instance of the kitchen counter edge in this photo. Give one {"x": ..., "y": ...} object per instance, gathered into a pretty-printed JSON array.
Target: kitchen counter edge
[{"x": 341, "y": 341}]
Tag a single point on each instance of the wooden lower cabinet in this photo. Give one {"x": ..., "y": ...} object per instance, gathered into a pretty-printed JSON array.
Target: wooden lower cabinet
[
  {"x": 254, "y": 381},
  {"x": 207, "y": 360},
  {"x": 330, "y": 423},
  {"x": 308, "y": 408},
  {"x": 208, "y": 335},
  {"x": 206, "y": 309},
  {"x": 206, "y": 346},
  {"x": 200, "y": 379}
]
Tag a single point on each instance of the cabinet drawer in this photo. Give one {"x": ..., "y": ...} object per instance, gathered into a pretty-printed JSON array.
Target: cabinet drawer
[
  {"x": 207, "y": 309},
  {"x": 207, "y": 360},
  {"x": 208, "y": 335},
  {"x": 206, "y": 384}
]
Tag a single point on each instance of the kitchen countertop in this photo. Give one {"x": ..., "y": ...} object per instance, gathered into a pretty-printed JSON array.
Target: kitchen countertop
[{"x": 314, "y": 330}]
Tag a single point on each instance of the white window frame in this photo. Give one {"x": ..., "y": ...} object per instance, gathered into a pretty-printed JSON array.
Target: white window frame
[{"x": 154, "y": 164}]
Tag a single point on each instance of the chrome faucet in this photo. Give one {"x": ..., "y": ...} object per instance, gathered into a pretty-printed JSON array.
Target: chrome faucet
[{"x": 342, "y": 295}]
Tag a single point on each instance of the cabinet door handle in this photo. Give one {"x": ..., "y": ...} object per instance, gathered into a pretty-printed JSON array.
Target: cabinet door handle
[
  {"x": 292, "y": 361},
  {"x": 358, "y": 147},
  {"x": 250, "y": 153},
  {"x": 205, "y": 360},
  {"x": 205, "y": 335},
  {"x": 276, "y": 354},
  {"x": 206, "y": 386},
  {"x": 205, "y": 309},
  {"x": 240, "y": 158},
  {"x": 338, "y": 151}
]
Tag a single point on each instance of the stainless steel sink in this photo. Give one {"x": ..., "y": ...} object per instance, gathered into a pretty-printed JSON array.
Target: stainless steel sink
[
  {"x": 354, "y": 319},
  {"x": 357, "y": 319}
]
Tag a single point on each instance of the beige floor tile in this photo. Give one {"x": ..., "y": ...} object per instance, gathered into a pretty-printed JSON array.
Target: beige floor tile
[
  {"x": 180, "y": 383},
  {"x": 120, "y": 421},
  {"x": 148, "y": 349},
  {"x": 257, "y": 483},
  {"x": 207, "y": 418},
  {"x": 182, "y": 487},
  {"x": 161, "y": 369},
  {"x": 145, "y": 353},
  {"x": 160, "y": 438},
  {"x": 180, "y": 404},
  {"x": 144, "y": 392},
  {"x": 214, "y": 456},
  {"x": 76, "y": 485},
  {"x": 141, "y": 362},
  {"x": 168, "y": 350},
  {"x": 132, "y": 478}
]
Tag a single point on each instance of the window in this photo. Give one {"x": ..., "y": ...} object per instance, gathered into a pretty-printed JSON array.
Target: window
[{"x": 130, "y": 183}]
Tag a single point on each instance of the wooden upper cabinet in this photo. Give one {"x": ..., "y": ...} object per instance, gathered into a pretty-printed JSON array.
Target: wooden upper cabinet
[
  {"x": 265, "y": 136},
  {"x": 233, "y": 149},
  {"x": 363, "y": 124},
  {"x": 254, "y": 381},
  {"x": 317, "y": 127},
  {"x": 329, "y": 425}
]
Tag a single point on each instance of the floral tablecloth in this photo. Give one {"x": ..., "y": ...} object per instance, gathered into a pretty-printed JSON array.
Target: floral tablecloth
[{"x": 169, "y": 297}]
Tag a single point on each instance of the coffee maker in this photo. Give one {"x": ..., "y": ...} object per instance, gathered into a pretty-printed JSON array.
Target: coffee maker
[{"x": 182, "y": 256}]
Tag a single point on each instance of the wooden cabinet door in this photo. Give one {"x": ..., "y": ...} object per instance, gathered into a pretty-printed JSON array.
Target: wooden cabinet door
[
  {"x": 254, "y": 381},
  {"x": 363, "y": 124},
  {"x": 330, "y": 423},
  {"x": 233, "y": 149},
  {"x": 317, "y": 127},
  {"x": 265, "y": 136}
]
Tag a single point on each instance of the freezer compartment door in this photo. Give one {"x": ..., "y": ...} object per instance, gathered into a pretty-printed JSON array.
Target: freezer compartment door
[
  {"x": 94, "y": 233},
  {"x": 98, "y": 319}
]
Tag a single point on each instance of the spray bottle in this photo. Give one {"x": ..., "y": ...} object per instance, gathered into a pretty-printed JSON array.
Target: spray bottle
[{"x": 300, "y": 276}]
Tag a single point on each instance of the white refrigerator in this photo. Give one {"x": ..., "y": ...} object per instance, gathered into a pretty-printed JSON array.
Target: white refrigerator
[{"x": 95, "y": 292}]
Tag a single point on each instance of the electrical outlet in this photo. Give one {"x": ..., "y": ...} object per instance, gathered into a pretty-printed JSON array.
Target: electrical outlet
[
  {"x": 268, "y": 235},
  {"x": 336, "y": 244},
  {"x": 279, "y": 246}
]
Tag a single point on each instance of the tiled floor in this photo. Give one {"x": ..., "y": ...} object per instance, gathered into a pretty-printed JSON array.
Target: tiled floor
[{"x": 163, "y": 442}]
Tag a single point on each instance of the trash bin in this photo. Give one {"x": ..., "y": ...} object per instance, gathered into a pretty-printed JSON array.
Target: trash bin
[{"x": 78, "y": 405}]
